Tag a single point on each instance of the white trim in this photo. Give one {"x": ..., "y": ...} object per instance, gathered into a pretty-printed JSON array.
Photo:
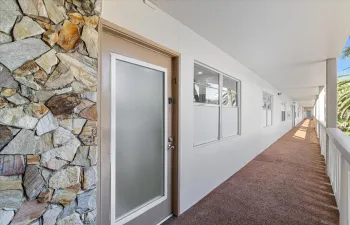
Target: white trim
[
  {"x": 205, "y": 104},
  {"x": 165, "y": 219},
  {"x": 195, "y": 145},
  {"x": 216, "y": 141},
  {"x": 230, "y": 136},
  {"x": 150, "y": 4},
  {"x": 215, "y": 70},
  {"x": 221, "y": 106},
  {"x": 230, "y": 106},
  {"x": 152, "y": 203},
  {"x": 239, "y": 131}
]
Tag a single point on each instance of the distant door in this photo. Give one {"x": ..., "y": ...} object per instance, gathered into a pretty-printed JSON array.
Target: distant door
[
  {"x": 308, "y": 114},
  {"x": 136, "y": 131},
  {"x": 293, "y": 115}
]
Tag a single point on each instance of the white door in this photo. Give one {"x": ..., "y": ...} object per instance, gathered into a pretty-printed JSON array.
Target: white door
[{"x": 139, "y": 136}]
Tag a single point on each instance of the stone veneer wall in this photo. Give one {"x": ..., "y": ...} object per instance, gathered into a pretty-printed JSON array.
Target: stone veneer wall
[{"x": 48, "y": 117}]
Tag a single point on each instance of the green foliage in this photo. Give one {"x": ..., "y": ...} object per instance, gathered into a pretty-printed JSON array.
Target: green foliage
[
  {"x": 346, "y": 52},
  {"x": 344, "y": 105},
  {"x": 344, "y": 98}
]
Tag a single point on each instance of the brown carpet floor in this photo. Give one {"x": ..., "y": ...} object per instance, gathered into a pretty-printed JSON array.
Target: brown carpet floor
[{"x": 284, "y": 185}]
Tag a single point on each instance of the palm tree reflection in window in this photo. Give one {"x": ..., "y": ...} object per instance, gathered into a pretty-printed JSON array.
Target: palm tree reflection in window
[
  {"x": 229, "y": 92},
  {"x": 229, "y": 97}
]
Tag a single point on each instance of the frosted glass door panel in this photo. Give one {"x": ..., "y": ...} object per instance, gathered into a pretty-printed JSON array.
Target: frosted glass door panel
[
  {"x": 139, "y": 168},
  {"x": 229, "y": 121},
  {"x": 206, "y": 124}
]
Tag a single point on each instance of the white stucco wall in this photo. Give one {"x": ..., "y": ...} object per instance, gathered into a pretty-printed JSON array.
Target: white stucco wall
[{"x": 204, "y": 168}]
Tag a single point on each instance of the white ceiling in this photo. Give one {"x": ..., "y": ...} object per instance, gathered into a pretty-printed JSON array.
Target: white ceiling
[{"x": 284, "y": 41}]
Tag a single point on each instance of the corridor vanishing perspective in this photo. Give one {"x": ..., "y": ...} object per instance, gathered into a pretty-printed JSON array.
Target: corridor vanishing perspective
[{"x": 285, "y": 184}]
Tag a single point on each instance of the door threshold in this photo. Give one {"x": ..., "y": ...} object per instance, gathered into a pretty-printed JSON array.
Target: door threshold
[{"x": 165, "y": 219}]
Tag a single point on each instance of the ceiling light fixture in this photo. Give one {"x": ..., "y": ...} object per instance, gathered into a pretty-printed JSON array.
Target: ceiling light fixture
[{"x": 200, "y": 72}]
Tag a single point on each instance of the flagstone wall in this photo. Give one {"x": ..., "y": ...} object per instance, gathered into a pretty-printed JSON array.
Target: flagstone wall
[{"x": 48, "y": 117}]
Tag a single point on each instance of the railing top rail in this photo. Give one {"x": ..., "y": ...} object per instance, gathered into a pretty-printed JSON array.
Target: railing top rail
[
  {"x": 341, "y": 141},
  {"x": 323, "y": 123}
]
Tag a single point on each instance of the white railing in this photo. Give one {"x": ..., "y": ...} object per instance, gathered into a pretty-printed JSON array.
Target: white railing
[
  {"x": 335, "y": 146},
  {"x": 322, "y": 135}
]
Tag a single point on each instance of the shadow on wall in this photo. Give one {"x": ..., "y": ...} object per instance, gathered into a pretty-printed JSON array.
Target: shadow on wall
[{"x": 48, "y": 116}]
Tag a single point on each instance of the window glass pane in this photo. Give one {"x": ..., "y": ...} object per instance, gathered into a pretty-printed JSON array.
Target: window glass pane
[
  {"x": 229, "y": 92},
  {"x": 269, "y": 118},
  {"x": 283, "y": 106},
  {"x": 268, "y": 105},
  {"x": 205, "y": 85},
  {"x": 269, "y": 102},
  {"x": 289, "y": 115},
  {"x": 265, "y": 97},
  {"x": 264, "y": 117},
  {"x": 229, "y": 121},
  {"x": 264, "y": 105},
  {"x": 206, "y": 124}
]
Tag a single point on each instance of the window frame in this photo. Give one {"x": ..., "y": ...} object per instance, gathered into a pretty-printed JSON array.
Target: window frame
[
  {"x": 220, "y": 105},
  {"x": 272, "y": 104}
]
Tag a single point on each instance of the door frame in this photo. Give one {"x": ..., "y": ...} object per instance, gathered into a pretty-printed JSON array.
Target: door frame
[
  {"x": 104, "y": 27},
  {"x": 154, "y": 202}
]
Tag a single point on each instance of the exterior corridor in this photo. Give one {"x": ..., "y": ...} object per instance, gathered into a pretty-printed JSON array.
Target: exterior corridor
[{"x": 285, "y": 184}]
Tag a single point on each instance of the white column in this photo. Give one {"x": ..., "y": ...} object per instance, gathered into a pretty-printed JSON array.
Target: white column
[
  {"x": 317, "y": 113},
  {"x": 321, "y": 104},
  {"x": 331, "y": 100},
  {"x": 331, "y": 93}
]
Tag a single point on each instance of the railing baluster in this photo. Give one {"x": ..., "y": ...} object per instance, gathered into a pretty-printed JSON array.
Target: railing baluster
[
  {"x": 344, "y": 200},
  {"x": 335, "y": 147},
  {"x": 339, "y": 171},
  {"x": 347, "y": 194}
]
